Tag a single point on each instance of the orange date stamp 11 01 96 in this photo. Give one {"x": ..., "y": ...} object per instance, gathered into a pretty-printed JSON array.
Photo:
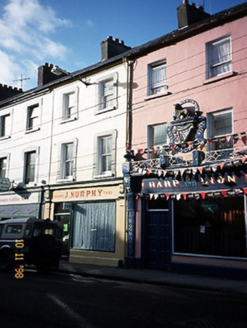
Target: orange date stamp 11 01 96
[{"x": 19, "y": 259}]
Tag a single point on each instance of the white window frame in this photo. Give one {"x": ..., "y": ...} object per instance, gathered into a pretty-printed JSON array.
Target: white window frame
[
  {"x": 67, "y": 107},
  {"x": 153, "y": 87},
  {"x": 7, "y": 157},
  {"x": 98, "y": 172},
  {"x": 32, "y": 115},
  {"x": 151, "y": 130},
  {"x": 5, "y": 129},
  {"x": 27, "y": 151},
  {"x": 211, "y": 66},
  {"x": 210, "y": 132},
  {"x": 62, "y": 160},
  {"x": 103, "y": 106}
]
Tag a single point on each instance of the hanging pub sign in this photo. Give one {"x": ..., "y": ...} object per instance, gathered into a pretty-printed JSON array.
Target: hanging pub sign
[{"x": 187, "y": 128}]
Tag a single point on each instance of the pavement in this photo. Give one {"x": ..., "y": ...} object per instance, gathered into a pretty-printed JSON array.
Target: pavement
[{"x": 156, "y": 277}]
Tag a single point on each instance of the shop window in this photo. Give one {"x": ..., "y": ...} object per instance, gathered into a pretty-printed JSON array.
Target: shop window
[
  {"x": 94, "y": 226},
  {"x": 218, "y": 56},
  {"x": 214, "y": 227},
  {"x": 157, "y": 78}
]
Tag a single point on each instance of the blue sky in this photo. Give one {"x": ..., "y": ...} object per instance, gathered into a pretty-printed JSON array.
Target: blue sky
[{"x": 68, "y": 33}]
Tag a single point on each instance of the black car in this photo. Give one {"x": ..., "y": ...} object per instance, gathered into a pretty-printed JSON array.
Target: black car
[{"x": 30, "y": 241}]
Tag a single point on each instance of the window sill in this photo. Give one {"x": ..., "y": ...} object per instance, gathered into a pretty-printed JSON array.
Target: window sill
[
  {"x": 32, "y": 130},
  {"x": 70, "y": 179},
  {"x": 157, "y": 95},
  {"x": 104, "y": 175},
  {"x": 108, "y": 109},
  {"x": 5, "y": 138},
  {"x": 219, "y": 78},
  {"x": 72, "y": 119}
]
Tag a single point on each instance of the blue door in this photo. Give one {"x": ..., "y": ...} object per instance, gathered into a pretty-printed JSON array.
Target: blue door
[{"x": 158, "y": 240}]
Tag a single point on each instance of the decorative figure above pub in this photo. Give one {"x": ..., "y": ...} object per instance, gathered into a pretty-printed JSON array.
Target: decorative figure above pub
[{"x": 187, "y": 128}]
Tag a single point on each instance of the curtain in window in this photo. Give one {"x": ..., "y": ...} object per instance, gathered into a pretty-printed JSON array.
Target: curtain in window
[
  {"x": 220, "y": 57},
  {"x": 94, "y": 226},
  {"x": 158, "y": 79}
]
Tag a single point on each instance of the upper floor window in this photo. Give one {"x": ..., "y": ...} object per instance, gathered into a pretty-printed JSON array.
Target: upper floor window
[
  {"x": 220, "y": 125},
  {"x": 219, "y": 57},
  {"x": 157, "y": 78},
  {"x": 5, "y": 125},
  {"x": 157, "y": 135},
  {"x": 3, "y": 167},
  {"x": 69, "y": 106},
  {"x": 30, "y": 165},
  {"x": 105, "y": 149},
  {"x": 105, "y": 154},
  {"x": 108, "y": 93},
  {"x": 67, "y": 160},
  {"x": 33, "y": 117}
]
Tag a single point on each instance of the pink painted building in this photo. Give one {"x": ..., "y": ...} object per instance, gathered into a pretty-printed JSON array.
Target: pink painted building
[{"x": 187, "y": 139}]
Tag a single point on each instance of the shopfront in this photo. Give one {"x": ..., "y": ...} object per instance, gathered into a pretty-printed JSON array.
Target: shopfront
[
  {"x": 20, "y": 204},
  {"x": 192, "y": 220},
  {"x": 94, "y": 220},
  {"x": 187, "y": 207}
]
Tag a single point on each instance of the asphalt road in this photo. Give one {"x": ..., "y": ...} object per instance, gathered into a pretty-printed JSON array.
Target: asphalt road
[{"x": 65, "y": 300}]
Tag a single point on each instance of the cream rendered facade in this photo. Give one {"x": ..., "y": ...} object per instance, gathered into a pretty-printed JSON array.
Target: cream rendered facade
[{"x": 86, "y": 186}]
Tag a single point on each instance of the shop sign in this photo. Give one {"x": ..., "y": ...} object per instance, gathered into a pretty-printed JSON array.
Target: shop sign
[
  {"x": 85, "y": 194},
  {"x": 4, "y": 184},
  {"x": 193, "y": 185},
  {"x": 22, "y": 198}
]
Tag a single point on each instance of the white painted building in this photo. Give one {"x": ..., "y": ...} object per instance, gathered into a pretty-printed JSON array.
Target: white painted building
[{"x": 66, "y": 143}]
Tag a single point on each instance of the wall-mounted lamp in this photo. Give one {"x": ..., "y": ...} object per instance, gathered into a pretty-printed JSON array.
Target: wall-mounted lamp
[{"x": 59, "y": 71}]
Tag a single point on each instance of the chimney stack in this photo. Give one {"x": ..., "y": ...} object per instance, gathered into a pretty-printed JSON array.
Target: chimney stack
[
  {"x": 189, "y": 14},
  {"x": 8, "y": 92},
  {"x": 112, "y": 47},
  {"x": 45, "y": 75}
]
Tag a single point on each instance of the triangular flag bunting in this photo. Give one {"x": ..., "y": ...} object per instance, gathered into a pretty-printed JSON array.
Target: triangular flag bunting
[{"x": 224, "y": 192}]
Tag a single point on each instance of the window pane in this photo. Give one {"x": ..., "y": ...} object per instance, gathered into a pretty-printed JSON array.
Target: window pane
[
  {"x": 223, "y": 124},
  {"x": 159, "y": 134},
  {"x": 3, "y": 164},
  {"x": 30, "y": 167},
  {"x": 94, "y": 226},
  {"x": 210, "y": 227},
  {"x": 157, "y": 78},
  {"x": 106, "y": 149},
  {"x": 68, "y": 155},
  {"x": 33, "y": 117},
  {"x": 5, "y": 126},
  {"x": 108, "y": 94},
  {"x": 219, "y": 57},
  {"x": 69, "y": 105}
]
